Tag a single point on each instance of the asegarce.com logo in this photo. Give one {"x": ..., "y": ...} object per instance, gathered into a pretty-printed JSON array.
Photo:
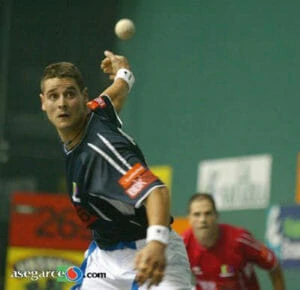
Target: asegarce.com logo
[{"x": 74, "y": 274}]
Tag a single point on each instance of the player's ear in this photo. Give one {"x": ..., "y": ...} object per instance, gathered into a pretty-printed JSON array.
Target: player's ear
[
  {"x": 85, "y": 94},
  {"x": 42, "y": 97},
  {"x": 189, "y": 218}
]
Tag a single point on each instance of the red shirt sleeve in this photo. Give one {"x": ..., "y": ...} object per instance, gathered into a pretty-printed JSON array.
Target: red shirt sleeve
[
  {"x": 256, "y": 252},
  {"x": 186, "y": 237}
]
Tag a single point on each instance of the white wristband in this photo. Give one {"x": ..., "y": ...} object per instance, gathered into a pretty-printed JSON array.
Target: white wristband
[
  {"x": 158, "y": 233},
  {"x": 127, "y": 76}
]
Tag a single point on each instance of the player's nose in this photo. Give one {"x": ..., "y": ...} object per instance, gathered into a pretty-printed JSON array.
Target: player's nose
[
  {"x": 202, "y": 218},
  {"x": 61, "y": 101}
]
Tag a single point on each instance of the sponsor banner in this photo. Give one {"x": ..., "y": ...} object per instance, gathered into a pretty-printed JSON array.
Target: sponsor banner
[
  {"x": 39, "y": 269},
  {"x": 283, "y": 234},
  {"x": 297, "y": 197},
  {"x": 237, "y": 183},
  {"x": 164, "y": 173},
  {"x": 46, "y": 221},
  {"x": 180, "y": 224}
]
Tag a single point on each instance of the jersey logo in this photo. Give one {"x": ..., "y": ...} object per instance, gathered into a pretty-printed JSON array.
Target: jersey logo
[
  {"x": 75, "y": 195},
  {"x": 136, "y": 179},
  {"x": 226, "y": 271},
  {"x": 96, "y": 103}
]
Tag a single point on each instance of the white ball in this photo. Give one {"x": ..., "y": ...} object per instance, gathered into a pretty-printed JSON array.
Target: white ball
[{"x": 125, "y": 28}]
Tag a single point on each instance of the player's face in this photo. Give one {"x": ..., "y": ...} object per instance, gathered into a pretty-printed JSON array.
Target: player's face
[
  {"x": 64, "y": 103},
  {"x": 203, "y": 217}
]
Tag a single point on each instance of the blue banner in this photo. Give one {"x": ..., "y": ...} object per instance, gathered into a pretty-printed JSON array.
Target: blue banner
[{"x": 283, "y": 234}]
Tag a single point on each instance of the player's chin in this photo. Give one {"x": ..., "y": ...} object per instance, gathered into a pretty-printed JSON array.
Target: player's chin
[
  {"x": 204, "y": 231},
  {"x": 61, "y": 126},
  {"x": 62, "y": 123}
]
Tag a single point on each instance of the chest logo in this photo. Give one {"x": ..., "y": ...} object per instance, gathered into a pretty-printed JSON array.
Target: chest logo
[
  {"x": 226, "y": 271},
  {"x": 75, "y": 195}
]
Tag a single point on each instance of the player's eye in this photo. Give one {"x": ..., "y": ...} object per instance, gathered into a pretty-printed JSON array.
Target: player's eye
[
  {"x": 70, "y": 94},
  {"x": 52, "y": 97}
]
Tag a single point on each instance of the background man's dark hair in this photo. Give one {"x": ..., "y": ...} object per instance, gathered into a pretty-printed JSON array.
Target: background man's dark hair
[{"x": 202, "y": 196}]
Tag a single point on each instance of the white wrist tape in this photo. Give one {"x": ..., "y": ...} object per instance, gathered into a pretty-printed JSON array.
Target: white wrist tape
[
  {"x": 127, "y": 76},
  {"x": 158, "y": 233}
]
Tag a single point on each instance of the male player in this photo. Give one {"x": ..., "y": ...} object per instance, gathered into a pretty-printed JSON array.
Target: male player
[
  {"x": 222, "y": 256},
  {"x": 113, "y": 191}
]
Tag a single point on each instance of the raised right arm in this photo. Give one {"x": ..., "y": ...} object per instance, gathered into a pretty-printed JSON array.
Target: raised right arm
[{"x": 118, "y": 69}]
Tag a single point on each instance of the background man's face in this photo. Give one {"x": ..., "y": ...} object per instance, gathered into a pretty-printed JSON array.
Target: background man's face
[{"x": 203, "y": 218}]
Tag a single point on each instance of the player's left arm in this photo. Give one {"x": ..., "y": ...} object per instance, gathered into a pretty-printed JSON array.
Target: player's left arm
[
  {"x": 150, "y": 262},
  {"x": 277, "y": 278},
  {"x": 122, "y": 81},
  {"x": 257, "y": 253}
]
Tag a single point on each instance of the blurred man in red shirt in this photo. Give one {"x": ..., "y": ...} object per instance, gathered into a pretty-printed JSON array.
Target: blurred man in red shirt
[{"x": 222, "y": 256}]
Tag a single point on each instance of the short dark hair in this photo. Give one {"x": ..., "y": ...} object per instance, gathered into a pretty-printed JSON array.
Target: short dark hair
[
  {"x": 62, "y": 70},
  {"x": 203, "y": 196}
]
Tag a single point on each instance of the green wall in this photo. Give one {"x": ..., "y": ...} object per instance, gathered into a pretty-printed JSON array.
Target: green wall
[{"x": 216, "y": 79}]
